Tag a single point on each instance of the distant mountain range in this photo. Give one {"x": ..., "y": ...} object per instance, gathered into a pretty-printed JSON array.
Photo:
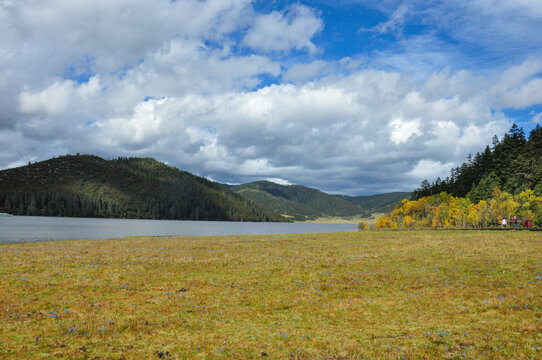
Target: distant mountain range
[
  {"x": 89, "y": 186},
  {"x": 297, "y": 201},
  {"x": 304, "y": 203},
  {"x": 380, "y": 203}
]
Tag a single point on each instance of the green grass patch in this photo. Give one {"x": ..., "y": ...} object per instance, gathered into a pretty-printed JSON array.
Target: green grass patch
[{"x": 359, "y": 295}]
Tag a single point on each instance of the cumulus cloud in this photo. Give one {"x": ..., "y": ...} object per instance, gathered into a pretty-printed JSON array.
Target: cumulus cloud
[
  {"x": 430, "y": 169},
  {"x": 336, "y": 133},
  {"x": 520, "y": 85},
  {"x": 58, "y": 97},
  {"x": 305, "y": 71},
  {"x": 401, "y": 130},
  {"x": 188, "y": 82},
  {"x": 278, "y": 31}
]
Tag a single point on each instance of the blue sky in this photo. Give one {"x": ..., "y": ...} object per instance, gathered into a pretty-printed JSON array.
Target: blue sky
[{"x": 355, "y": 97}]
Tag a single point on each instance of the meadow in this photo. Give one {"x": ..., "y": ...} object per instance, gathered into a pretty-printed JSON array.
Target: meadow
[{"x": 358, "y": 295}]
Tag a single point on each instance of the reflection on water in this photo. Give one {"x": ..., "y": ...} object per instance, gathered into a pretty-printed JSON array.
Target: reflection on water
[{"x": 35, "y": 228}]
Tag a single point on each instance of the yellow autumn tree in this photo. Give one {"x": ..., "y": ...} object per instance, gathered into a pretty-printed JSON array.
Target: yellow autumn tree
[
  {"x": 530, "y": 205},
  {"x": 485, "y": 216},
  {"x": 397, "y": 215},
  {"x": 408, "y": 221},
  {"x": 442, "y": 216},
  {"x": 502, "y": 205},
  {"x": 459, "y": 208},
  {"x": 473, "y": 215},
  {"x": 445, "y": 210},
  {"x": 384, "y": 222},
  {"x": 427, "y": 206}
]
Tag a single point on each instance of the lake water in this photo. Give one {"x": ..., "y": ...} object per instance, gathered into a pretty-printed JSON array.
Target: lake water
[{"x": 36, "y": 228}]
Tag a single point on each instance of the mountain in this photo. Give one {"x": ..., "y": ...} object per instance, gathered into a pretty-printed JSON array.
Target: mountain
[
  {"x": 299, "y": 202},
  {"x": 89, "y": 186},
  {"x": 380, "y": 203}
]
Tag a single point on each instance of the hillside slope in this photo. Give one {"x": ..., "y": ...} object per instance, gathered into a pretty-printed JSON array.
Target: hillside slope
[
  {"x": 86, "y": 185},
  {"x": 299, "y": 202},
  {"x": 380, "y": 203}
]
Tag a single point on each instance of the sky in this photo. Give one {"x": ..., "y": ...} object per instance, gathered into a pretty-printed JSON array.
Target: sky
[{"x": 355, "y": 97}]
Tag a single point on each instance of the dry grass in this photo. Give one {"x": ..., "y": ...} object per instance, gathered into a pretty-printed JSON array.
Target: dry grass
[
  {"x": 366, "y": 295},
  {"x": 346, "y": 219}
]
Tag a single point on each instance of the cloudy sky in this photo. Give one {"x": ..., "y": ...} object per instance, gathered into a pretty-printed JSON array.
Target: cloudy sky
[{"x": 353, "y": 96}]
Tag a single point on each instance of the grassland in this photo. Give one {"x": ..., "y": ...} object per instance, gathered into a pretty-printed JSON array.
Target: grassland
[
  {"x": 364, "y": 295},
  {"x": 346, "y": 219}
]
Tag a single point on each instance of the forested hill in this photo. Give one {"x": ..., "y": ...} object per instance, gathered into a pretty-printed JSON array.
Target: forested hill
[
  {"x": 380, "y": 203},
  {"x": 86, "y": 185},
  {"x": 298, "y": 201},
  {"x": 513, "y": 163}
]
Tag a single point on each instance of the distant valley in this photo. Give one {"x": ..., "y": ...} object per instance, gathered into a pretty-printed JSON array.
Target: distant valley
[{"x": 303, "y": 203}]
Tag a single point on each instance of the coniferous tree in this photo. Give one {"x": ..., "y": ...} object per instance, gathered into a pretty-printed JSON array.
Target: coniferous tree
[{"x": 514, "y": 162}]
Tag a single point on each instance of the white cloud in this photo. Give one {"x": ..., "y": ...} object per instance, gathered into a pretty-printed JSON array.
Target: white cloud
[
  {"x": 402, "y": 130},
  {"x": 430, "y": 169},
  {"x": 183, "y": 81},
  {"x": 481, "y": 35},
  {"x": 530, "y": 93},
  {"x": 279, "y": 31},
  {"x": 528, "y": 8},
  {"x": 144, "y": 126},
  {"x": 315, "y": 70},
  {"x": 519, "y": 86},
  {"x": 304, "y": 72},
  {"x": 119, "y": 32},
  {"x": 334, "y": 132},
  {"x": 53, "y": 100},
  {"x": 279, "y": 181},
  {"x": 59, "y": 97},
  {"x": 369, "y": 127},
  {"x": 395, "y": 23}
]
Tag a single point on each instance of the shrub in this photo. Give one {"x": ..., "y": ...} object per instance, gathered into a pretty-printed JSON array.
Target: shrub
[
  {"x": 363, "y": 225},
  {"x": 384, "y": 222}
]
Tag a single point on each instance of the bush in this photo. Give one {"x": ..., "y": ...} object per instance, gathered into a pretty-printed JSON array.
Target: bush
[
  {"x": 384, "y": 222},
  {"x": 363, "y": 225},
  {"x": 538, "y": 221}
]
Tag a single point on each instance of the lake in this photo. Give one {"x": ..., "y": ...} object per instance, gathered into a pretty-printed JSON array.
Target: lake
[{"x": 36, "y": 228}]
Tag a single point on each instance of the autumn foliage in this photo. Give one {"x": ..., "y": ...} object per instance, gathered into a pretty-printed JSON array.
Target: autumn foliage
[{"x": 447, "y": 211}]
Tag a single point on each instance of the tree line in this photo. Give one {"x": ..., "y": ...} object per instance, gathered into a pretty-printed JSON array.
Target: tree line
[
  {"x": 447, "y": 211},
  {"x": 513, "y": 164},
  {"x": 503, "y": 181},
  {"x": 59, "y": 203}
]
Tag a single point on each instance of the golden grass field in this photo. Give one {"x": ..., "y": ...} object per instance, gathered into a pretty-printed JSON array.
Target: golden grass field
[
  {"x": 345, "y": 219},
  {"x": 359, "y": 295}
]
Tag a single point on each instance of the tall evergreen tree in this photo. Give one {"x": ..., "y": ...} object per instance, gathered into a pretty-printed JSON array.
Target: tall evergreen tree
[{"x": 514, "y": 163}]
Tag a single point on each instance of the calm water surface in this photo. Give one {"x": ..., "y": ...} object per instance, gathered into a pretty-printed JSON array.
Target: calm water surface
[{"x": 35, "y": 228}]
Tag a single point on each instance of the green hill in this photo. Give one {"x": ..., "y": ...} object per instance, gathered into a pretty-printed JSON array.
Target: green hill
[
  {"x": 380, "y": 203},
  {"x": 299, "y": 202},
  {"x": 86, "y": 185}
]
